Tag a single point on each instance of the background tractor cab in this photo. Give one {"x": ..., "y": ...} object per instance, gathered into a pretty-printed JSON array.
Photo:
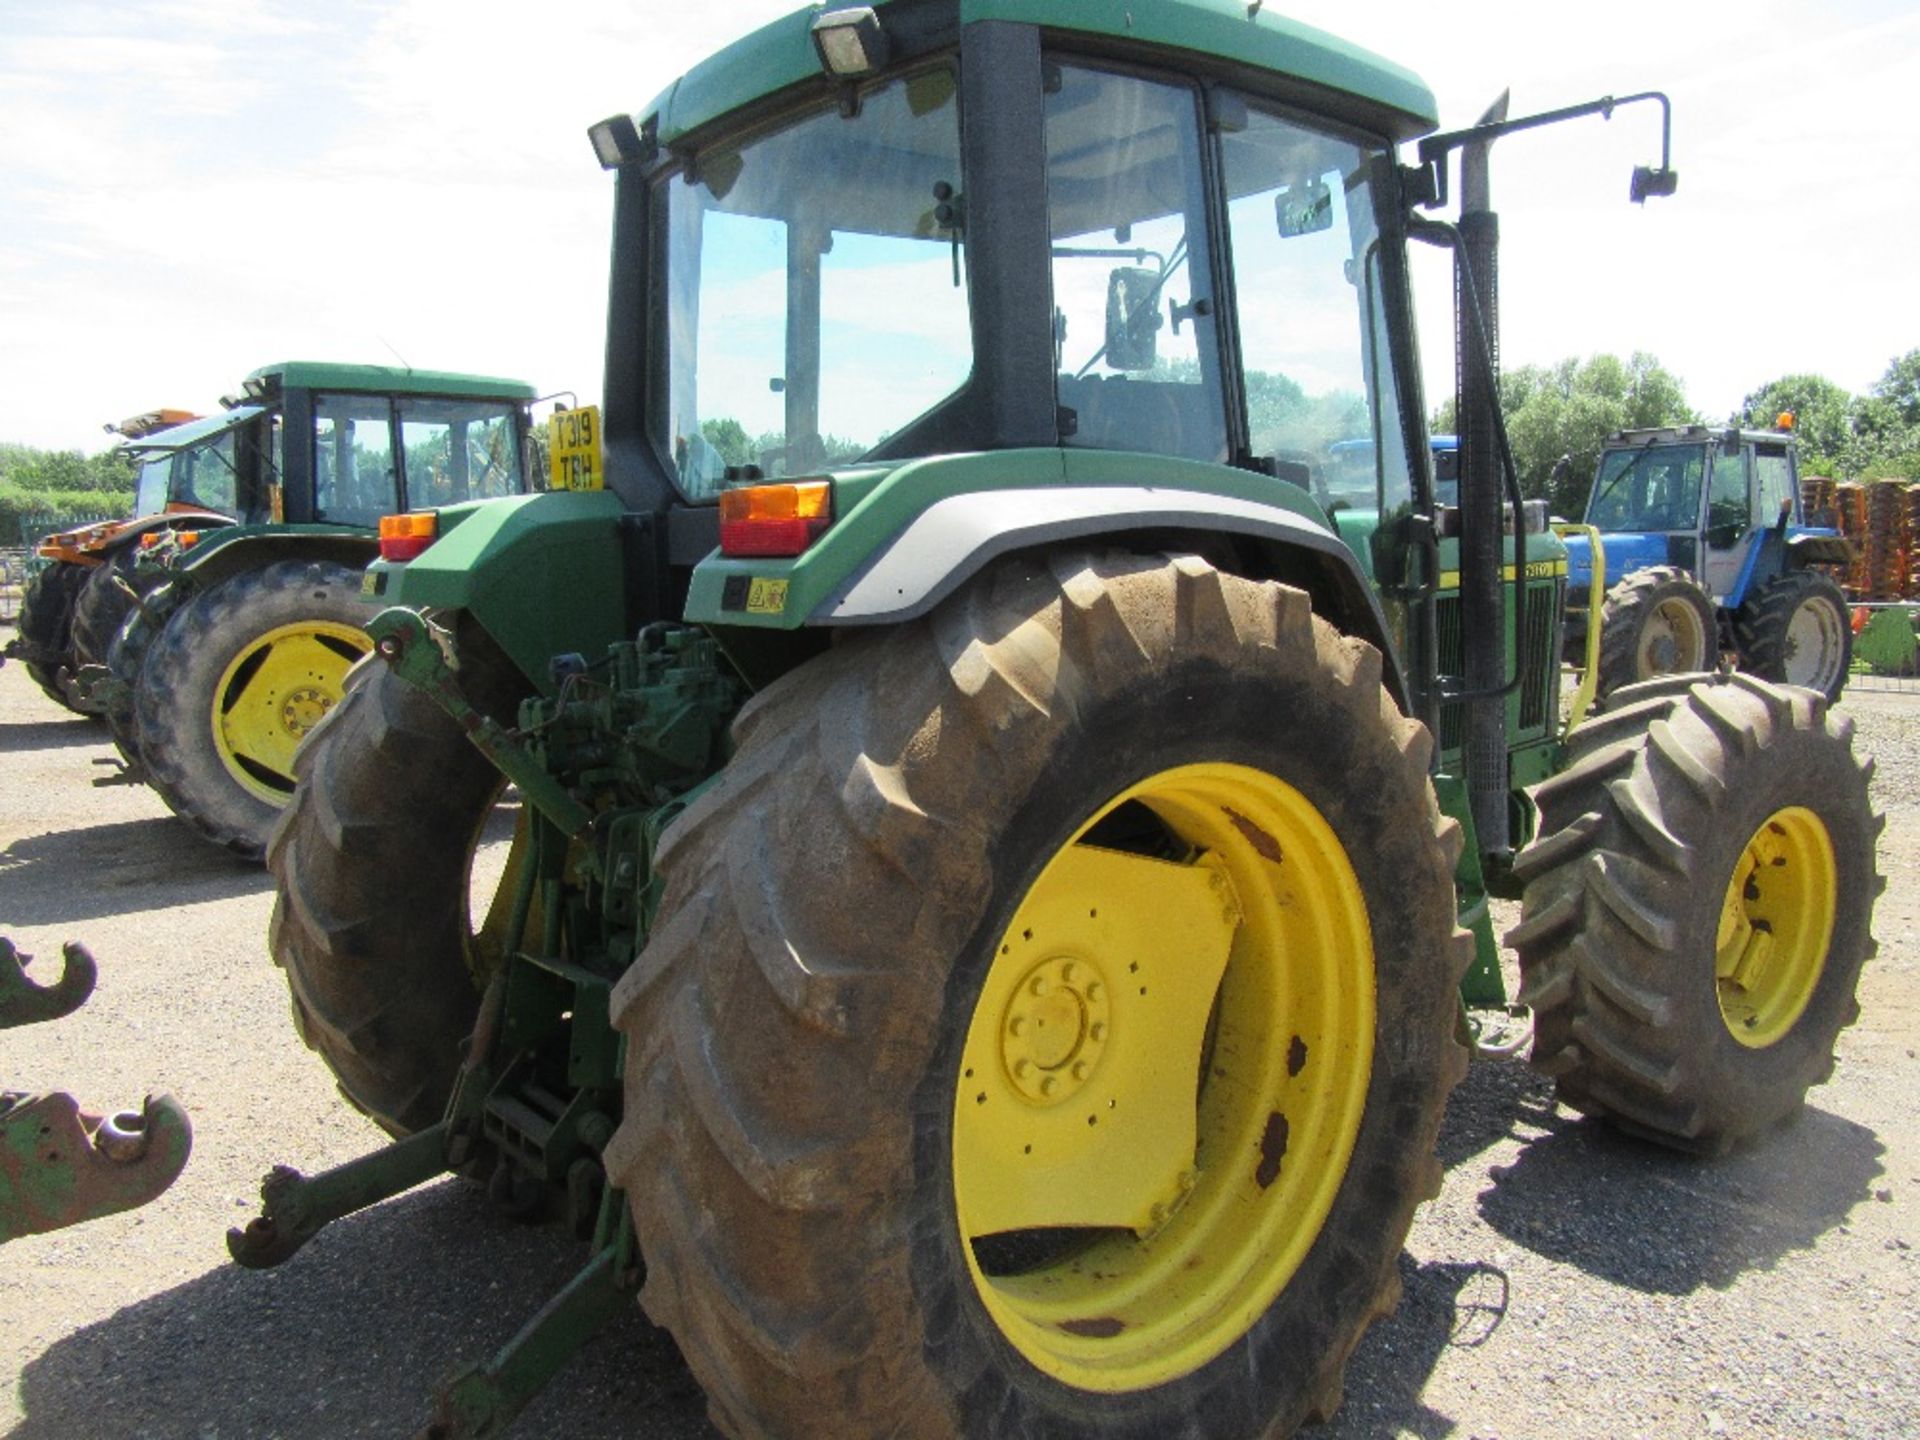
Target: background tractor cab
[
  {"x": 249, "y": 623},
  {"x": 1705, "y": 549}
]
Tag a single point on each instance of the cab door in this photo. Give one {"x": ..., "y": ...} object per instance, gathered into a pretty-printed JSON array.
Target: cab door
[{"x": 1730, "y": 530}]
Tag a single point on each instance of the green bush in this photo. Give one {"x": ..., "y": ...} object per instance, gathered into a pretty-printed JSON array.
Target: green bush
[{"x": 53, "y": 510}]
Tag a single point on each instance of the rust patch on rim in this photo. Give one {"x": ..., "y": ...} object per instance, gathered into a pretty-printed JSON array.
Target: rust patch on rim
[
  {"x": 1268, "y": 847},
  {"x": 1104, "y": 1327},
  {"x": 1273, "y": 1149}
]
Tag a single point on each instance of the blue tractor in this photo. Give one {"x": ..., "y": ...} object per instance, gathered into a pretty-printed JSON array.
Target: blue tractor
[{"x": 1704, "y": 529}]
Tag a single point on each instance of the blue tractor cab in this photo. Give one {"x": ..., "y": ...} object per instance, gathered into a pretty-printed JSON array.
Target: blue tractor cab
[{"x": 1703, "y": 528}]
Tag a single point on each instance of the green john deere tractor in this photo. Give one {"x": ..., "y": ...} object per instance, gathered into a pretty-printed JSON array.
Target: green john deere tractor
[
  {"x": 231, "y": 640},
  {"x": 953, "y": 855}
]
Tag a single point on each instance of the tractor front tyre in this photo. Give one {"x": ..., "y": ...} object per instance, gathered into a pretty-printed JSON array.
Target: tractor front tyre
[
  {"x": 1655, "y": 622},
  {"x": 1048, "y": 1021},
  {"x": 45, "y": 630},
  {"x": 1795, "y": 630},
  {"x": 1697, "y": 908},
  {"x": 234, "y": 682},
  {"x": 371, "y": 923}
]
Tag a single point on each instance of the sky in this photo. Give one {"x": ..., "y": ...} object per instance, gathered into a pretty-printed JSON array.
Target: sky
[{"x": 190, "y": 189}]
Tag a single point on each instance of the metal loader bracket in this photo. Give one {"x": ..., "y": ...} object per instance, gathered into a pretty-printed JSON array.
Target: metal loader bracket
[{"x": 60, "y": 1165}]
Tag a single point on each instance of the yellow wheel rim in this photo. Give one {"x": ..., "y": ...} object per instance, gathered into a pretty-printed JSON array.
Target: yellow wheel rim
[
  {"x": 272, "y": 693},
  {"x": 1164, "y": 1077},
  {"x": 1776, "y": 923}
]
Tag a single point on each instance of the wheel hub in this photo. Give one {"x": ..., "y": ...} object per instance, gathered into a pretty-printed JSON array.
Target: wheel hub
[
  {"x": 1776, "y": 921},
  {"x": 1055, "y": 1029},
  {"x": 303, "y": 709}
]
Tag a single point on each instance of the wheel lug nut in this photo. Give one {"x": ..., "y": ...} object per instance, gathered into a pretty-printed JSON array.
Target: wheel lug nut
[
  {"x": 1049, "y": 1085},
  {"x": 1081, "y": 1069},
  {"x": 1039, "y": 986}
]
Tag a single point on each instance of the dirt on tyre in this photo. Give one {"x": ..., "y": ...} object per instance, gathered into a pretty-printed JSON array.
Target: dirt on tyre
[
  {"x": 1655, "y": 622},
  {"x": 1697, "y": 908},
  {"x": 385, "y": 977},
  {"x": 45, "y": 630},
  {"x": 1796, "y": 630},
  {"x": 1049, "y": 1019},
  {"x": 232, "y": 684}
]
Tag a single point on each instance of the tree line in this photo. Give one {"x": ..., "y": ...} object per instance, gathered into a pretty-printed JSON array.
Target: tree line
[
  {"x": 1570, "y": 408},
  {"x": 55, "y": 488}
]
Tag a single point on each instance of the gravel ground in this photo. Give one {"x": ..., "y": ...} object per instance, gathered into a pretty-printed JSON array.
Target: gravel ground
[{"x": 1567, "y": 1283}]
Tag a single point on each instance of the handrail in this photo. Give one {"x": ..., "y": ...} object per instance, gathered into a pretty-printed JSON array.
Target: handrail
[{"x": 1596, "y": 597}]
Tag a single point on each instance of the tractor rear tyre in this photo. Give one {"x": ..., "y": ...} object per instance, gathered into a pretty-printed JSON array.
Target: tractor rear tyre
[
  {"x": 233, "y": 683},
  {"x": 371, "y": 921},
  {"x": 1795, "y": 630},
  {"x": 45, "y": 630},
  {"x": 1048, "y": 1021},
  {"x": 126, "y": 660},
  {"x": 1697, "y": 909},
  {"x": 102, "y": 606},
  {"x": 1655, "y": 622}
]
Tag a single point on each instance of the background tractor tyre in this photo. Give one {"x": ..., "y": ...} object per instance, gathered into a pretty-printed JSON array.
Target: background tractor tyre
[
  {"x": 1655, "y": 622},
  {"x": 371, "y": 918},
  {"x": 831, "y": 1073},
  {"x": 1697, "y": 908},
  {"x": 126, "y": 660},
  {"x": 1796, "y": 630},
  {"x": 102, "y": 606},
  {"x": 233, "y": 683},
  {"x": 45, "y": 630}
]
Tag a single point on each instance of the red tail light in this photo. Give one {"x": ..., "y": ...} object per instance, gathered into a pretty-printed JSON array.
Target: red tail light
[
  {"x": 774, "y": 519},
  {"x": 402, "y": 537}
]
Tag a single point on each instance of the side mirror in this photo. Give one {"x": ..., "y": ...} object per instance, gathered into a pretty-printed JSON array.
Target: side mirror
[
  {"x": 1133, "y": 318},
  {"x": 1649, "y": 182},
  {"x": 1303, "y": 209}
]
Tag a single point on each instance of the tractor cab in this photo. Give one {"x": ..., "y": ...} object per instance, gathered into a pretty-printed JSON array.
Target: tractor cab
[
  {"x": 1699, "y": 499},
  {"x": 202, "y": 468},
  {"x": 1704, "y": 551}
]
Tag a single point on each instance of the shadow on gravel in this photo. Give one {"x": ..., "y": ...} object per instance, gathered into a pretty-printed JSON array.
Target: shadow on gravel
[
  {"x": 53, "y": 735},
  {"x": 1633, "y": 1214},
  {"x": 1446, "y": 1304},
  {"x": 1498, "y": 1100},
  {"x": 349, "y": 1338},
  {"x": 117, "y": 869}
]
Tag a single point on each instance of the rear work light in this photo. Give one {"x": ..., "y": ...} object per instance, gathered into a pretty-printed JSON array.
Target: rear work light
[
  {"x": 402, "y": 537},
  {"x": 774, "y": 519}
]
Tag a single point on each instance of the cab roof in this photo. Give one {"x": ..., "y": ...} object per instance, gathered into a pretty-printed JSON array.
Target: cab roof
[
  {"x": 383, "y": 379},
  {"x": 1230, "y": 32}
]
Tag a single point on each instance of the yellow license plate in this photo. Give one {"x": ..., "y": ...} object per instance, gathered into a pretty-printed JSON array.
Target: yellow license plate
[{"x": 574, "y": 446}]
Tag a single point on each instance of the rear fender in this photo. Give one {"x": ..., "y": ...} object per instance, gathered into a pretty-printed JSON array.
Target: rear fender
[
  {"x": 244, "y": 547},
  {"x": 542, "y": 574},
  {"x": 913, "y": 537}
]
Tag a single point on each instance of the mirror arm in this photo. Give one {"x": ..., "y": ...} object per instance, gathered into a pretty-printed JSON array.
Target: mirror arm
[{"x": 1427, "y": 181}]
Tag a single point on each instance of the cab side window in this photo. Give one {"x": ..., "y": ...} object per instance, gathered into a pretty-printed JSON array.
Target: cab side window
[
  {"x": 1135, "y": 308},
  {"x": 354, "y": 479},
  {"x": 1772, "y": 483},
  {"x": 1727, "y": 497}
]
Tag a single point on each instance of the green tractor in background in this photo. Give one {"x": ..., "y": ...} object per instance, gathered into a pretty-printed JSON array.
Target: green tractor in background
[
  {"x": 231, "y": 640},
  {"x": 994, "y": 921}
]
